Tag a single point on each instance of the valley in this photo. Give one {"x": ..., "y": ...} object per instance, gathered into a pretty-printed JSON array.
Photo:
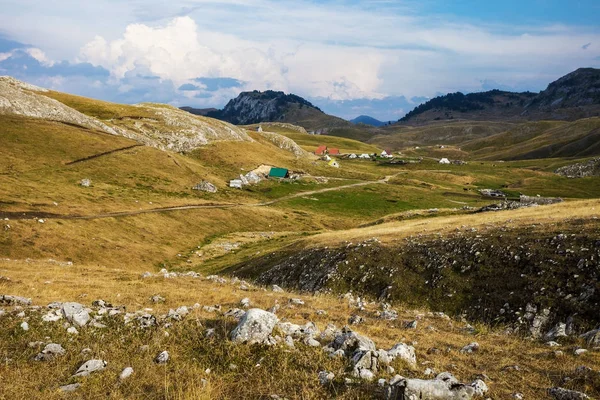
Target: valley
[{"x": 97, "y": 202}]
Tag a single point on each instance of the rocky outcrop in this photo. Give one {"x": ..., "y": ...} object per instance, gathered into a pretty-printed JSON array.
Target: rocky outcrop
[
  {"x": 285, "y": 143},
  {"x": 531, "y": 271},
  {"x": 20, "y": 98},
  {"x": 581, "y": 170},
  {"x": 163, "y": 127}
]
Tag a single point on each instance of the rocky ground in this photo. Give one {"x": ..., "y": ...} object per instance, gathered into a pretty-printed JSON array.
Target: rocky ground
[
  {"x": 298, "y": 347},
  {"x": 581, "y": 170},
  {"x": 499, "y": 275}
]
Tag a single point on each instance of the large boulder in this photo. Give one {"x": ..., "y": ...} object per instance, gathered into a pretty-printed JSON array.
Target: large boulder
[
  {"x": 558, "y": 393},
  {"x": 443, "y": 387},
  {"x": 75, "y": 313},
  {"x": 255, "y": 326},
  {"x": 404, "y": 352},
  {"x": 592, "y": 337},
  {"x": 350, "y": 342}
]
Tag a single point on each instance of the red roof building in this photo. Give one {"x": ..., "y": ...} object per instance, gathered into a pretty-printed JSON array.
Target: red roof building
[
  {"x": 334, "y": 152},
  {"x": 321, "y": 150}
]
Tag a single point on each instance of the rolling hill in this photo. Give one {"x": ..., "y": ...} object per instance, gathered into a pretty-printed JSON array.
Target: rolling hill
[
  {"x": 575, "y": 95},
  {"x": 365, "y": 119}
]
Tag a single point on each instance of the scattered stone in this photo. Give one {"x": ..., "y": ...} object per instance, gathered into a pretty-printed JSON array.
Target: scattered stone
[
  {"x": 85, "y": 182},
  {"x": 443, "y": 387},
  {"x": 205, "y": 186},
  {"x": 91, "y": 366},
  {"x": 350, "y": 341},
  {"x": 552, "y": 344},
  {"x": 558, "y": 331},
  {"x": 72, "y": 330},
  {"x": 579, "y": 352},
  {"x": 70, "y": 388},
  {"x": 592, "y": 337},
  {"x": 326, "y": 377},
  {"x": 146, "y": 275},
  {"x": 558, "y": 393},
  {"x": 126, "y": 373},
  {"x": 75, "y": 313},
  {"x": 404, "y": 352},
  {"x": 157, "y": 299},
  {"x": 212, "y": 309},
  {"x": 355, "y": 319},
  {"x": 470, "y": 348},
  {"x": 480, "y": 387},
  {"x": 162, "y": 357},
  {"x": 10, "y": 300},
  {"x": 245, "y": 302},
  {"x": 51, "y": 351},
  {"x": 25, "y": 326},
  {"x": 277, "y": 289},
  {"x": 255, "y": 327},
  {"x": 236, "y": 313},
  {"x": 411, "y": 324},
  {"x": 297, "y": 302}
]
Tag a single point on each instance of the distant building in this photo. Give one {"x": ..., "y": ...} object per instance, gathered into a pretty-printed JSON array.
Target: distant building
[
  {"x": 364, "y": 155},
  {"x": 387, "y": 154},
  {"x": 279, "y": 173},
  {"x": 333, "y": 152},
  {"x": 236, "y": 183},
  {"x": 444, "y": 161},
  {"x": 334, "y": 164},
  {"x": 352, "y": 155},
  {"x": 321, "y": 150},
  {"x": 259, "y": 129}
]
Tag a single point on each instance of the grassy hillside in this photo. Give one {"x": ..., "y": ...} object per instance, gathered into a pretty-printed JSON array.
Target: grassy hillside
[
  {"x": 541, "y": 140},
  {"x": 61, "y": 241}
]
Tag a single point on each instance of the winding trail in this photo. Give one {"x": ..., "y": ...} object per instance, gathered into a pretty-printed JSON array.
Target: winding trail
[{"x": 32, "y": 214}]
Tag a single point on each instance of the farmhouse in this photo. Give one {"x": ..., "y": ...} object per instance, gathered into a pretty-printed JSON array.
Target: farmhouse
[
  {"x": 444, "y": 161},
  {"x": 352, "y": 156},
  {"x": 334, "y": 152},
  {"x": 364, "y": 155}
]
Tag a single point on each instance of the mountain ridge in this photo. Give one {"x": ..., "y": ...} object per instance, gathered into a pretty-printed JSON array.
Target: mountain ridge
[{"x": 573, "y": 96}]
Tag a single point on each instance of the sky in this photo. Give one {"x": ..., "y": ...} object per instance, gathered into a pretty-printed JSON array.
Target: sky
[{"x": 349, "y": 57}]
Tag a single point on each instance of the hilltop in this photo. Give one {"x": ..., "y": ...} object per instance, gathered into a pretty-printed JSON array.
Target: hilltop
[
  {"x": 571, "y": 97},
  {"x": 271, "y": 106},
  {"x": 365, "y": 119}
]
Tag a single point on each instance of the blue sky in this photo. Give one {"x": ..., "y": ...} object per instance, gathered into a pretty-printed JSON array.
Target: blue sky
[{"x": 349, "y": 57}]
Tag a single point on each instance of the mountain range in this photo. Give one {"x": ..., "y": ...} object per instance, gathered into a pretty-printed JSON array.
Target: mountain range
[{"x": 574, "y": 96}]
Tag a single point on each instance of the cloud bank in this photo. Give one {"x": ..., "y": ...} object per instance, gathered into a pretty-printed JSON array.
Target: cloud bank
[{"x": 344, "y": 56}]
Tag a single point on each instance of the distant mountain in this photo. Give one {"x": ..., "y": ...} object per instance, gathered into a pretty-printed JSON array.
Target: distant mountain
[
  {"x": 270, "y": 106},
  {"x": 198, "y": 111},
  {"x": 365, "y": 119},
  {"x": 574, "y": 96}
]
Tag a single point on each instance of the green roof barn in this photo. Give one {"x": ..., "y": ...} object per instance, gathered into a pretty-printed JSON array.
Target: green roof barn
[{"x": 278, "y": 173}]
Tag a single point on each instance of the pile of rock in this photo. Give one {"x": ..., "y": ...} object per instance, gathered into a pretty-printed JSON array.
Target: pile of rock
[{"x": 581, "y": 170}]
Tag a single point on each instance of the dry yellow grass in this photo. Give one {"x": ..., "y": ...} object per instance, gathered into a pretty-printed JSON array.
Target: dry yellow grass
[
  {"x": 292, "y": 374},
  {"x": 525, "y": 216}
]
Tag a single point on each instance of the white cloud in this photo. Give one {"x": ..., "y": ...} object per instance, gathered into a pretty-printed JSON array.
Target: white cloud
[{"x": 332, "y": 49}]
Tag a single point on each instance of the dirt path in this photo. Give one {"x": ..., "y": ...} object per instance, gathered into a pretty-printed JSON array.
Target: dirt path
[{"x": 33, "y": 214}]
